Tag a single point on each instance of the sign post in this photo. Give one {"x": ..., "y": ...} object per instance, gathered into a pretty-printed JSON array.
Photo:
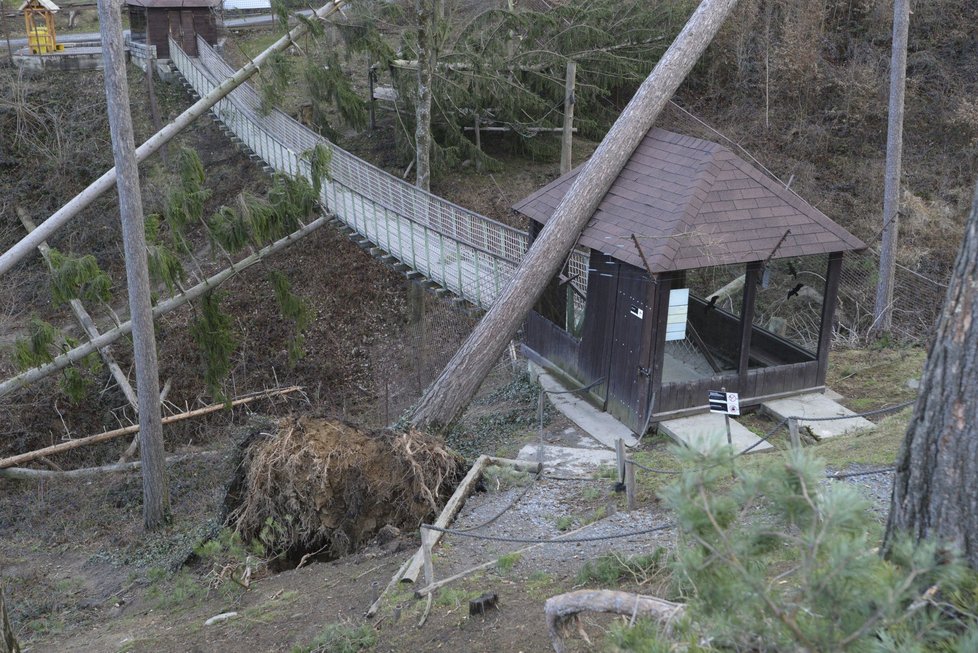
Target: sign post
[{"x": 727, "y": 403}]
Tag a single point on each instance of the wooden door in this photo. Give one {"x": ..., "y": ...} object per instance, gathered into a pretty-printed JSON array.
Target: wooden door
[{"x": 630, "y": 348}]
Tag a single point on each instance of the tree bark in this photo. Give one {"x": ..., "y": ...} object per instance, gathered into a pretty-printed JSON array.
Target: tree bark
[
  {"x": 8, "y": 642},
  {"x": 451, "y": 392},
  {"x": 935, "y": 490},
  {"x": 427, "y": 60},
  {"x": 563, "y": 608},
  {"x": 883, "y": 313},
  {"x": 155, "y": 494}
]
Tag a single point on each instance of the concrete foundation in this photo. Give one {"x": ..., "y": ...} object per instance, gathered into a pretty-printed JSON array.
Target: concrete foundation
[
  {"x": 707, "y": 431},
  {"x": 818, "y": 405}
]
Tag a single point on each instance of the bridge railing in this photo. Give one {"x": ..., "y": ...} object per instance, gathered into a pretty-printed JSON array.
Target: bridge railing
[{"x": 472, "y": 255}]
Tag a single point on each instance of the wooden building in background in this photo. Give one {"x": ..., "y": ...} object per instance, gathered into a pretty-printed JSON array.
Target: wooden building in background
[
  {"x": 704, "y": 273},
  {"x": 152, "y": 21}
]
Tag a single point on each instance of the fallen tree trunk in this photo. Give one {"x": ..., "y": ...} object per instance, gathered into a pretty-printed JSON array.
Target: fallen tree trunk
[
  {"x": 84, "y": 199},
  {"x": 19, "y": 459},
  {"x": 445, "y": 399},
  {"x": 110, "y": 336},
  {"x": 25, "y": 473},
  {"x": 564, "y": 608}
]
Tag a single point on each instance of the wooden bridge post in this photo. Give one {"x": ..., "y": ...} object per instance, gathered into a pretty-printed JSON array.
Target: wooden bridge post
[{"x": 567, "y": 138}]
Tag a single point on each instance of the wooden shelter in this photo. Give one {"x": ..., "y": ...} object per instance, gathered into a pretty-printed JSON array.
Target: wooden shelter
[
  {"x": 39, "y": 23},
  {"x": 704, "y": 273},
  {"x": 151, "y": 22}
]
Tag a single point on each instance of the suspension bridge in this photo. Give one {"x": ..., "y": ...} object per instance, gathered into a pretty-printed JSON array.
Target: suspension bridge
[{"x": 468, "y": 254}]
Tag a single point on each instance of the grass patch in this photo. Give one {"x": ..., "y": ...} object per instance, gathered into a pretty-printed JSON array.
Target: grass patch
[
  {"x": 539, "y": 585},
  {"x": 564, "y": 523},
  {"x": 180, "y": 592},
  {"x": 506, "y": 562},
  {"x": 612, "y": 568},
  {"x": 454, "y": 597},
  {"x": 498, "y": 478},
  {"x": 341, "y": 638}
]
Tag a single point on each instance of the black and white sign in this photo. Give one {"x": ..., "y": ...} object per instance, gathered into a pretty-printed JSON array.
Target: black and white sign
[{"x": 727, "y": 403}]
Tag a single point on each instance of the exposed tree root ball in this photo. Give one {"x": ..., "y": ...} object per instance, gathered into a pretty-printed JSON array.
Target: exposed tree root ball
[{"x": 322, "y": 484}]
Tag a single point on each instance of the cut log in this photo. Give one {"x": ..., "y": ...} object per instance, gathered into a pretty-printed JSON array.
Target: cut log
[
  {"x": 563, "y": 608},
  {"x": 164, "y": 307},
  {"x": 445, "y": 399},
  {"x": 19, "y": 459},
  {"x": 25, "y": 473}
]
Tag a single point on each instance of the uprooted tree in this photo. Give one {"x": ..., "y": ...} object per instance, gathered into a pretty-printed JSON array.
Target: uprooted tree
[
  {"x": 445, "y": 399},
  {"x": 935, "y": 490}
]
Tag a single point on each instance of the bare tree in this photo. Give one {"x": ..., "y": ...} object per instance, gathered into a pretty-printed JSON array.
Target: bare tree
[
  {"x": 894, "y": 153},
  {"x": 445, "y": 399},
  {"x": 155, "y": 495},
  {"x": 428, "y": 11},
  {"x": 936, "y": 486}
]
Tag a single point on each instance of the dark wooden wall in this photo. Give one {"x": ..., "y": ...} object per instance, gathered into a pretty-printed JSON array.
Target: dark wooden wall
[{"x": 182, "y": 24}]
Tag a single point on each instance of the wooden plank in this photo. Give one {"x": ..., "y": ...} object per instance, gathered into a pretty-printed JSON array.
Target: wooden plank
[
  {"x": 451, "y": 509},
  {"x": 829, "y": 300},
  {"x": 751, "y": 277}
]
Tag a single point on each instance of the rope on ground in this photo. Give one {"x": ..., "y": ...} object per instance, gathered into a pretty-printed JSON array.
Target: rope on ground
[
  {"x": 884, "y": 470},
  {"x": 554, "y": 540}
]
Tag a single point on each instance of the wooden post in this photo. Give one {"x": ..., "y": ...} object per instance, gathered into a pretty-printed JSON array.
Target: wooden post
[
  {"x": 567, "y": 138},
  {"x": 630, "y": 488},
  {"x": 751, "y": 277},
  {"x": 451, "y": 392},
  {"x": 829, "y": 299},
  {"x": 478, "y": 141},
  {"x": 6, "y": 34},
  {"x": 371, "y": 106},
  {"x": 794, "y": 436},
  {"x": 156, "y": 498},
  {"x": 620, "y": 459},
  {"x": 894, "y": 152},
  {"x": 154, "y": 107}
]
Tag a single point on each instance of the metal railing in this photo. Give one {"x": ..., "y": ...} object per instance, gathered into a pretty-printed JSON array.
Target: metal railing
[{"x": 470, "y": 254}]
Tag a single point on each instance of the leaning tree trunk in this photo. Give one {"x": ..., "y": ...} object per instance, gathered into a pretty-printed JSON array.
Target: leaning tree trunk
[
  {"x": 155, "y": 495},
  {"x": 8, "y": 642},
  {"x": 935, "y": 491},
  {"x": 451, "y": 392},
  {"x": 883, "y": 316}
]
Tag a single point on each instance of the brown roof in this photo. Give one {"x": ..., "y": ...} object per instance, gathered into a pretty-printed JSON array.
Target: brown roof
[{"x": 691, "y": 204}]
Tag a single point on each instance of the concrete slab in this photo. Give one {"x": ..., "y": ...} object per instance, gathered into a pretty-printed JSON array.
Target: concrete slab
[
  {"x": 818, "y": 405},
  {"x": 568, "y": 461},
  {"x": 707, "y": 430},
  {"x": 832, "y": 394},
  {"x": 598, "y": 424}
]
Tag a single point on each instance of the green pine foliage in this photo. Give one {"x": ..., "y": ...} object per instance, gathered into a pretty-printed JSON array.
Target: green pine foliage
[
  {"x": 293, "y": 308},
  {"x": 275, "y": 77},
  {"x": 508, "y": 68},
  {"x": 782, "y": 560},
  {"x": 185, "y": 204},
  {"x": 215, "y": 339},
  {"x": 43, "y": 342},
  {"x": 164, "y": 264},
  {"x": 319, "y": 159},
  {"x": 77, "y": 277},
  {"x": 38, "y": 347}
]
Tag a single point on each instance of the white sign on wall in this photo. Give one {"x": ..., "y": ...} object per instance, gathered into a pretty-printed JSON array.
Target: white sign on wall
[{"x": 678, "y": 312}]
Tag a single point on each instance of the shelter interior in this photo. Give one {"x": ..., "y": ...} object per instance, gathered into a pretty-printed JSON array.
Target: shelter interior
[{"x": 704, "y": 274}]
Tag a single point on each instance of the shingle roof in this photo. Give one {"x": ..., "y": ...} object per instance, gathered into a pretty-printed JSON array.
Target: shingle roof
[
  {"x": 47, "y": 4},
  {"x": 173, "y": 4},
  {"x": 691, "y": 204}
]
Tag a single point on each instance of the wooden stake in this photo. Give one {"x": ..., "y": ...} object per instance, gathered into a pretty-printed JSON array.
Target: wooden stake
[
  {"x": 620, "y": 459},
  {"x": 567, "y": 138},
  {"x": 108, "y": 435},
  {"x": 630, "y": 488},
  {"x": 793, "y": 435},
  {"x": 86, "y": 472}
]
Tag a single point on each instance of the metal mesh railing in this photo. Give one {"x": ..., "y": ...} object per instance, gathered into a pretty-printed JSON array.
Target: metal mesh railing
[{"x": 471, "y": 255}]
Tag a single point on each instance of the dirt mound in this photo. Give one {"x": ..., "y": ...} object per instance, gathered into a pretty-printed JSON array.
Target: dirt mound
[{"x": 323, "y": 484}]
